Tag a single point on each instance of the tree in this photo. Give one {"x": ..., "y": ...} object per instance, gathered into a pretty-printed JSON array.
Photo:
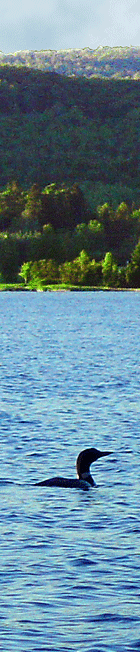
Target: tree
[
  {"x": 75, "y": 271},
  {"x": 62, "y": 206},
  {"x": 135, "y": 258},
  {"x": 69, "y": 273},
  {"x": 48, "y": 271},
  {"x": 47, "y": 205},
  {"x": 39, "y": 272},
  {"x": 94, "y": 274},
  {"x": 12, "y": 201},
  {"x": 25, "y": 271},
  {"x": 133, "y": 268},
  {"x": 32, "y": 210},
  {"x": 106, "y": 215},
  {"x": 109, "y": 270},
  {"x": 121, "y": 224},
  {"x": 122, "y": 211},
  {"x": 8, "y": 258}
]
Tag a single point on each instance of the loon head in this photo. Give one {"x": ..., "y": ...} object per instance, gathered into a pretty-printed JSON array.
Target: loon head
[{"x": 84, "y": 460}]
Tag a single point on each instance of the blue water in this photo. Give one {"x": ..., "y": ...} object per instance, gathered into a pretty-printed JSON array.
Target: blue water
[{"x": 69, "y": 560}]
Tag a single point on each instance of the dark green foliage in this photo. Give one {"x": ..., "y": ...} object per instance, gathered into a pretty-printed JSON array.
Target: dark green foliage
[
  {"x": 50, "y": 246},
  {"x": 93, "y": 275},
  {"x": 8, "y": 258},
  {"x": 32, "y": 209},
  {"x": 74, "y": 272},
  {"x": 133, "y": 268},
  {"x": 67, "y": 129},
  {"x": 11, "y": 206},
  {"x": 39, "y": 272},
  {"x": 63, "y": 207},
  {"x": 109, "y": 270},
  {"x": 91, "y": 237}
]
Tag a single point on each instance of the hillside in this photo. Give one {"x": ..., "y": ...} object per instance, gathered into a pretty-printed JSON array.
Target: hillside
[
  {"x": 70, "y": 159},
  {"x": 106, "y": 62},
  {"x": 65, "y": 130}
]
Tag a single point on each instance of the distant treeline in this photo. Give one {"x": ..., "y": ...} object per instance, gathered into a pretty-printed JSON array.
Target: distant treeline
[
  {"x": 103, "y": 62},
  {"x": 51, "y": 235}
]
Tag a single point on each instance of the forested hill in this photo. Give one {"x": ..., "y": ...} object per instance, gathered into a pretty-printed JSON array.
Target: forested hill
[
  {"x": 106, "y": 62},
  {"x": 57, "y": 129}
]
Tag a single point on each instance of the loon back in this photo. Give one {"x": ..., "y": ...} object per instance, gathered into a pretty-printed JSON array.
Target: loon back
[{"x": 84, "y": 479}]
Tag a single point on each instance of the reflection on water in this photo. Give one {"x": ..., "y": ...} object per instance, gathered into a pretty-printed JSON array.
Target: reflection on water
[{"x": 69, "y": 561}]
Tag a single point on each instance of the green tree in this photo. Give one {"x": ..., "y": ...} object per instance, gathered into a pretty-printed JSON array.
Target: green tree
[
  {"x": 105, "y": 214},
  {"x": 12, "y": 201},
  {"x": 48, "y": 271},
  {"x": 83, "y": 262},
  {"x": 121, "y": 225},
  {"x": 69, "y": 272},
  {"x": 80, "y": 237},
  {"x": 62, "y": 206},
  {"x": 122, "y": 283},
  {"x": 8, "y": 258},
  {"x": 133, "y": 268},
  {"x": 74, "y": 272},
  {"x": 32, "y": 210},
  {"x": 94, "y": 274},
  {"x": 39, "y": 272},
  {"x": 122, "y": 211},
  {"x": 25, "y": 271},
  {"x": 109, "y": 270}
]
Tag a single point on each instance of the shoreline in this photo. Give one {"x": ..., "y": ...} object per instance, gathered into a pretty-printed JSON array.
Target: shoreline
[{"x": 14, "y": 287}]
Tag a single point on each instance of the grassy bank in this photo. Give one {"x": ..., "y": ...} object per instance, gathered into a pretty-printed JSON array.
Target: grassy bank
[
  {"x": 62, "y": 287},
  {"x": 12, "y": 286}
]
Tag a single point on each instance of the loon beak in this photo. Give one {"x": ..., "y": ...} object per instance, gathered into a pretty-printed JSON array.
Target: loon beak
[{"x": 104, "y": 454}]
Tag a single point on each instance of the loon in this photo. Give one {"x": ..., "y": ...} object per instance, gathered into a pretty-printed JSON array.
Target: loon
[{"x": 84, "y": 478}]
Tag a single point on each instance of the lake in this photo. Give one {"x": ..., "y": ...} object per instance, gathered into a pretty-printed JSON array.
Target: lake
[{"x": 69, "y": 560}]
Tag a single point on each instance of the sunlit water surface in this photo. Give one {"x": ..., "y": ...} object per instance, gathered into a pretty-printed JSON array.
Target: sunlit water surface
[{"x": 69, "y": 560}]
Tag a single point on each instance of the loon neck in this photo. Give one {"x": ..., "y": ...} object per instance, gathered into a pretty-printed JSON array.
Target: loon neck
[{"x": 86, "y": 476}]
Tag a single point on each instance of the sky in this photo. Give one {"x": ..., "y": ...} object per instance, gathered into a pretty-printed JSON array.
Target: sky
[{"x": 64, "y": 24}]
